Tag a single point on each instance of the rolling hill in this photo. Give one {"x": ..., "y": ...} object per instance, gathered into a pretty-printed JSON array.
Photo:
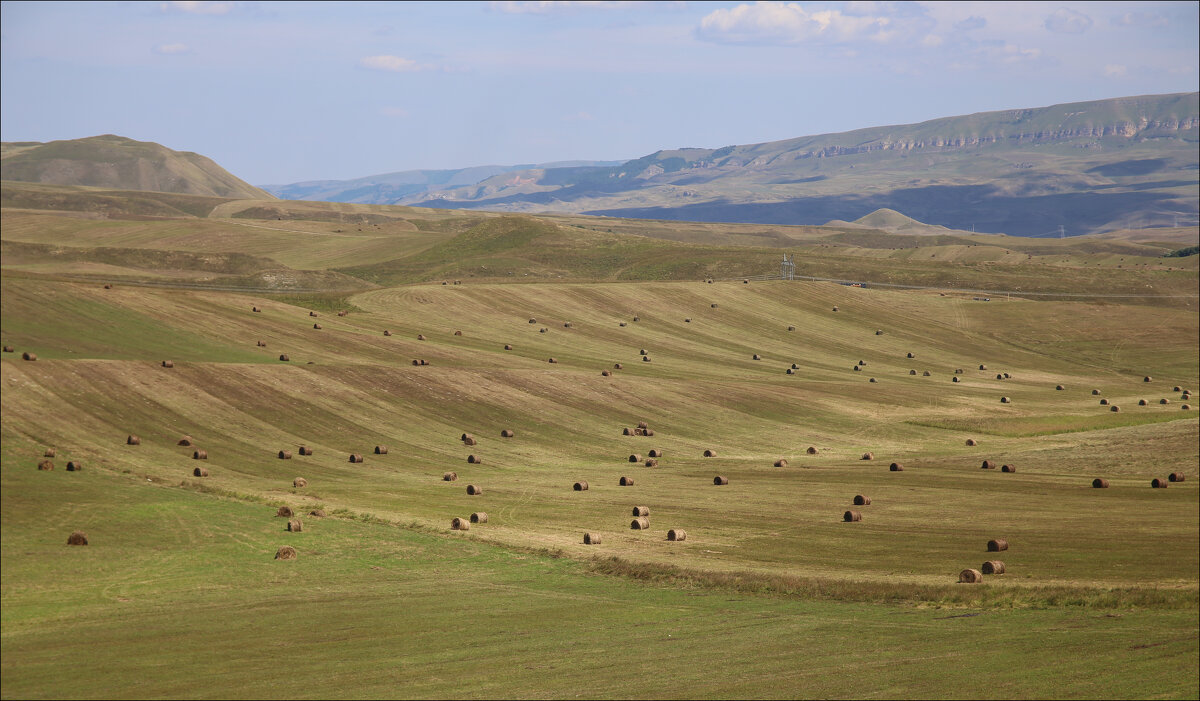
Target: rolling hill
[
  {"x": 117, "y": 162},
  {"x": 1088, "y": 167}
]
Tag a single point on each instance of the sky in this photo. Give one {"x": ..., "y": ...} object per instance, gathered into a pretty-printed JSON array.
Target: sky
[{"x": 282, "y": 92}]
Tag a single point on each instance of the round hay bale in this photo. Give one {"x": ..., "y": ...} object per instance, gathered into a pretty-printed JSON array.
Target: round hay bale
[
  {"x": 386, "y": 332},
  {"x": 835, "y": 309},
  {"x": 312, "y": 314},
  {"x": 958, "y": 371},
  {"x": 655, "y": 453},
  {"x": 356, "y": 457},
  {"x": 1007, "y": 376},
  {"x": 199, "y": 455},
  {"x": 926, "y": 374},
  {"x": 507, "y": 433},
  {"x": 812, "y": 450},
  {"x": 473, "y": 490},
  {"x": 862, "y": 500},
  {"x": 997, "y": 545},
  {"x": 284, "y": 357},
  {"x": 467, "y": 438},
  {"x": 988, "y": 465},
  {"x": 475, "y": 459},
  {"x": 1100, "y": 483},
  {"x": 626, "y": 481},
  {"x": 168, "y": 363},
  {"x": 954, "y": 379},
  {"x": 580, "y": 486},
  {"x": 28, "y": 356},
  {"x": 622, "y": 324},
  {"x": 795, "y": 366},
  {"x": 458, "y": 333},
  {"x": 420, "y": 337},
  {"x": 972, "y": 441},
  {"x": 74, "y": 466},
  {"x": 606, "y": 373},
  {"x": 647, "y": 432},
  {"x": 872, "y": 380},
  {"x": 791, "y": 328},
  {"x": 343, "y": 313},
  {"x": 912, "y": 372},
  {"x": 790, "y": 371},
  {"x": 284, "y": 512},
  {"x": 45, "y": 465},
  {"x": 868, "y": 456},
  {"x": 9, "y": 349},
  {"x": 993, "y": 567},
  {"x": 1176, "y": 388},
  {"x": 294, "y": 525},
  {"x": 285, "y": 455},
  {"x": 133, "y": 440},
  {"x": 639, "y": 524},
  {"x": 651, "y": 462},
  {"x": 1143, "y": 402},
  {"x": 720, "y": 480},
  {"x": 895, "y": 467},
  {"x": 533, "y": 321},
  {"x": 645, "y": 359},
  {"x": 318, "y": 327},
  {"x": 970, "y": 577},
  {"x": 851, "y": 516},
  {"x": 982, "y": 367},
  {"x": 643, "y": 424},
  {"x": 381, "y": 450},
  {"x": 1008, "y": 468},
  {"x": 200, "y": 472},
  {"x": 77, "y": 538},
  {"x": 449, "y": 476},
  {"x": 591, "y": 538},
  {"x": 627, "y": 431},
  {"x": 1176, "y": 477},
  {"x": 878, "y": 332},
  {"x": 304, "y": 450},
  {"x": 756, "y": 356},
  {"x": 1114, "y": 408},
  {"x": 618, "y": 366},
  {"x": 507, "y": 346},
  {"x": 1095, "y": 392},
  {"x": 1005, "y": 400},
  {"x": 781, "y": 462},
  {"x": 543, "y": 330},
  {"x": 635, "y": 457},
  {"x": 50, "y": 452},
  {"x": 287, "y": 552},
  {"x": 1164, "y": 400},
  {"x": 1186, "y": 407},
  {"x": 688, "y": 320},
  {"x": 552, "y": 360},
  {"x": 710, "y": 453},
  {"x": 317, "y": 513},
  {"x": 185, "y": 441},
  {"x": 637, "y": 318},
  {"x": 479, "y": 517},
  {"x": 857, "y": 369},
  {"x": 713, "y": 305},
  {"x": 1147, "y": 378},
  {"x": 1103, "y": 402},
  {"x": 677, "y": 534},
  {"x": 1157, "y": 483},
  {"x": 999, "y": 376},
  {"x": 641, "y": 511},
  {"x": 1059, "y": 388},
  {"x": 460, "y": 524},
  {"x": 299, "y": 482},
  {"x": 642, "y": 351}
]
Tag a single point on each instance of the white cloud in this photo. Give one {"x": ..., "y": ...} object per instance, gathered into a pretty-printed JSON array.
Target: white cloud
[
  {"x": 541, "y": 7},
  {"x": 1115, "y": 71},
  {"x": 169, "y": 49},
  {"x": 972, "y": 22},
  {"x": 767, "y": 22},
  {"x": 1065, "y": 21},
  {"x": 1011, "y": 53},
  {"x": 394, "y": 112},
  {"x": 195, "y": 7},
  {"x": 395, "y": 64},
  {"x": 1140, "y": 19}
]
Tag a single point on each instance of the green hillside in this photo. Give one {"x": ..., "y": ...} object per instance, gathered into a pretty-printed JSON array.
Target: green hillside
[{"x": 116, "y": 162}]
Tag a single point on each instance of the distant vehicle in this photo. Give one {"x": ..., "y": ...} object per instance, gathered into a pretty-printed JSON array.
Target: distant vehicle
[
  {"x": 982, "y": 299},
  {"x": 853, "y": 284}
]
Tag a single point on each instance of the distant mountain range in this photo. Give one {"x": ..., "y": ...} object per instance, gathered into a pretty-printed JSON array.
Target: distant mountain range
[
  {"x": 1085, "y": 167},
  {"x": 120, "y": 163}
]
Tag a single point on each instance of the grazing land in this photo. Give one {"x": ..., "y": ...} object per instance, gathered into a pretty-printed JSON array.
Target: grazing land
[{"x": 772, "y": 594}]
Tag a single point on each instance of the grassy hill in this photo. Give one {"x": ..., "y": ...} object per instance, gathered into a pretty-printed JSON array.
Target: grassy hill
[
  {"x": 116, "y": 162},
  {"x": 1089, "y": 167},
  {"x": 772, "y": 592}
]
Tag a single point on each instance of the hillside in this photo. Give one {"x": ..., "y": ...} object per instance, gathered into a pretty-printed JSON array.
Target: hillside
[
  {"x": 1088, "y": 167},
  {"x": 116, "y": 162}
]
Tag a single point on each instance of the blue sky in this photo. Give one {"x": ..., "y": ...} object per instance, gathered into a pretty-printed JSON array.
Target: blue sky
[{"x": 284, "y": 92}]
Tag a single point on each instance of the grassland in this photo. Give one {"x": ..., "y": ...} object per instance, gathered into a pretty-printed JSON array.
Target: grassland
[{"x": 771, "y": 595}]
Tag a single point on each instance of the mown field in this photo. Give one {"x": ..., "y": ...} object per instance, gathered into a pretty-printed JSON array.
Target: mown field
[{"x": 772, "y": 594}]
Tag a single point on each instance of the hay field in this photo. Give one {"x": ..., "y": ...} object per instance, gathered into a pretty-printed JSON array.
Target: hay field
[{"x": 386, "y": 600}]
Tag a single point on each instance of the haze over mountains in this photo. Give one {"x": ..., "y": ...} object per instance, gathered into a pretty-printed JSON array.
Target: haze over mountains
[{"x": 1087, "y": 167}]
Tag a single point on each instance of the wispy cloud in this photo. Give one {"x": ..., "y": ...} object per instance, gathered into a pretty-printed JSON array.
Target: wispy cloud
[
  {"x": 196, "y": 7},
  {"x": 542, "y": 7},
  {"x": 1115, "y": 71},
  {"x": 790, "y": 23},
  {"x": 171, "y": 49},
  {"x": 395, "y": 64},
  {"x": 1067, "y": 21},
  {"x": 1139, "y": 19},
  {"x": 972, "y": 22}
]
